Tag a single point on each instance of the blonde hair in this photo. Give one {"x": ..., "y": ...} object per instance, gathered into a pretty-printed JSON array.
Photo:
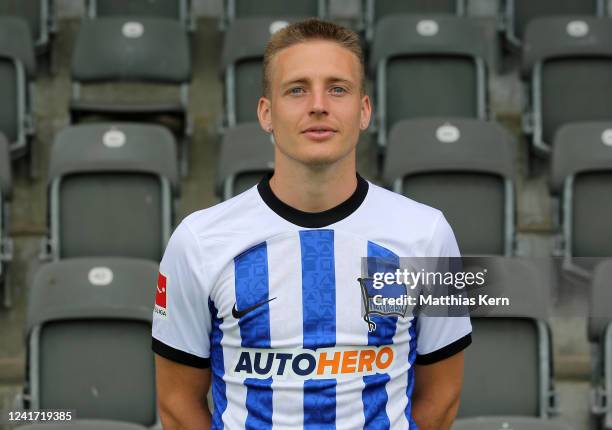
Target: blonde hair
[{"x": 311, "y": 29}]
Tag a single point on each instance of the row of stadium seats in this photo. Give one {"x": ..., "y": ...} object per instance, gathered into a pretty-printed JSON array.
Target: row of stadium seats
[
  {"x": 516, "y": 14},
  {"x": 72, "y": 344},
  {"x": 425, "y": 66},
  {"x": 126, "y": 168},
  {"x": 459, "y": 165},
  {"x": 422, "y": 67},
  {"x": 95, "y": 190}
]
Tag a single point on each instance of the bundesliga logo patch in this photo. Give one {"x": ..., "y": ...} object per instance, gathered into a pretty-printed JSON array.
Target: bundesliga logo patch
[{"x": 161, "y": 296}]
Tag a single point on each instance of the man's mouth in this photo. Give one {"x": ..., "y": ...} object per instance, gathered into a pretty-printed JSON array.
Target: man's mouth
[{"x": 319, "y": 133}]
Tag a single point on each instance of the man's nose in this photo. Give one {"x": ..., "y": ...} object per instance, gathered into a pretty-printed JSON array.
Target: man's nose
[{"x": 318, "y": 103}]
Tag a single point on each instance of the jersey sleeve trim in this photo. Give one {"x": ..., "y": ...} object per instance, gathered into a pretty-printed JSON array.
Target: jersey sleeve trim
[
  {"x": 446, "y": 351},
  {"x": 179, "y": 356}
]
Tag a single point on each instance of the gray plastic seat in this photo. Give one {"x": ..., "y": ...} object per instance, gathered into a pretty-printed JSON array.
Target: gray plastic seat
[
  {"x": 244, "y": 44},
  {"x": 84, "y": 425},
  {"x": 519, "y": 13},
  {"x": 39, "y": 16},
  {"x": 180, "y": 10},
  {"x": 458, "y": 165},
  {"x": 427, "y": 66},
  {"x": 374, "y": 10},
  {"x": 247, "y": 154},
  {"x": 600, "y": 336},
  {"x": 6, "y": 194},
  {"x": 116, "y": 50},
  {"x": 89, "y": 339},
  {"x": 510, "y": 422},
  {"x": 111, "y": 190},
  {"x": 568, "y": 62},
  {"x": 238, "y": 9},
  {"x": 17, "y": 73},
  {"x": 508, "y": 341},
  {"x": 582, "y": 175}
]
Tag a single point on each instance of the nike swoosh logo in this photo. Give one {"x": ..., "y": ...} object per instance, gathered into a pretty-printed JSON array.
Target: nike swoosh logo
[{"x": 239, "y": 314}]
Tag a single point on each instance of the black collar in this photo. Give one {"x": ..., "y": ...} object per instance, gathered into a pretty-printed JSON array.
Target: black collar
[{"x": 313, "y": 219}]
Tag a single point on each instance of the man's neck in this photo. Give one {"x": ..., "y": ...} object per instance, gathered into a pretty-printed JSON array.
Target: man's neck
[{"x": 314, "y": 190}]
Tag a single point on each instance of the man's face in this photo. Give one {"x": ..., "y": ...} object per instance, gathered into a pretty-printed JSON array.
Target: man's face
[{"x": 316, "y": 108}]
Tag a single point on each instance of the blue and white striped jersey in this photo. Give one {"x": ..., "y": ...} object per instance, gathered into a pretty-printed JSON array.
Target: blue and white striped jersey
[{"x": 269, "y": 298}]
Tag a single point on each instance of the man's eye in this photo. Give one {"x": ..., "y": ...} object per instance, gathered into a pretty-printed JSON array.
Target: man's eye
[
  {"x": 338, "y": 90},
  {"x": 296, "y": 90}
]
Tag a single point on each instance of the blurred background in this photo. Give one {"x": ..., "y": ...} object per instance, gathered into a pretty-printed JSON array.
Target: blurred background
[{"x": 119, "y": 118}]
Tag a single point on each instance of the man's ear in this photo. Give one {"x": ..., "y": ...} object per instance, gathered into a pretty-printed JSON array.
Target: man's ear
[
  {"x": 366, "y": 112},
  {"x": 264, "y": 114}
]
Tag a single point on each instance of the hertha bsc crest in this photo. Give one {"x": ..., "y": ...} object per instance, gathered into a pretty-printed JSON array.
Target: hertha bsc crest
[{"x": 388, "y": 300}]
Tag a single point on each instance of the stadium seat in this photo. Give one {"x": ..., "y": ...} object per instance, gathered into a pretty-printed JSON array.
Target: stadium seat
[
  {"x": 88, "y": 340},
  {"x": 119, "y": 50},
  {"x": 6, "y": 245},
  {"x": 568, "y": 61},
  {"x": 600, "y": 336},
  {"x": 511, "y": 422},
  {"x": 581, "y": 175},
  {"x": 247, "y": 154},
  {"x": 17, "y": 73},
  {"x": 180, "y": 10},
  {"x": 111, "y": 191},
  {"x": 519, "y": 13},
  {"x": 373, "y": 10},
  {"x": 456, "y": 165},
  {"x": 38, "y": 14},
  {"x": 238, "y": 9},
  {"x": 241, "y": 61},
  {"x": 427, "y": 66},
  {"x": 84, "y": 425},
  {"x": 509, "y": 340}
]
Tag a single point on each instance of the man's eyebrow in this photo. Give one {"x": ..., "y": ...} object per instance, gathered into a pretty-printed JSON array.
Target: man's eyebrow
[
  {"x": 332, "y": 79},
  {"x": 295, "y": 81}
]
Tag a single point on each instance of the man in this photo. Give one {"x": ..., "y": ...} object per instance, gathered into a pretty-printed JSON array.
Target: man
[{"x": 261, "y": 292}]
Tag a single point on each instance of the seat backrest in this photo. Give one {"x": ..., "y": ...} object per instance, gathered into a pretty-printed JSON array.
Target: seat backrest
[
  {"x": 455, "y": 165},
  {"x": 127, "y": 49},
  {"x": 89, "y": 338},
  {"x": 247, "y": 154},
  {"x": 508, "y": 422},
  {"x": 248, "y": 77},
  {"x": 586, "y": 85},
  {"x": 244, "y": 44},
  {"x": 6, "y": 184},
  {"x": 600, "y": 313},
  {"x": 9, "y": 106},
  {"x": 170, "y": 9},
  {"x": 519, "y": 13},
  {"x": 16, "y": 42},
  {"x": 508, "y": 341},
  {"x": 582, "y": 153},
  {"x": 34, "y": 12},
  {"x": 383, "y": 8},
  {"x": 428, "y": 66},
  {"x": 111, "y": 190},
  {"x": 572, "y": 53},
  {"x": 236, "y": 9}
]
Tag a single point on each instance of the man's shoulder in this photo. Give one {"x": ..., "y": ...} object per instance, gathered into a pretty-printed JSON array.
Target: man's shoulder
[
  {"x": 401, "y": 207},
  {"x": 412, "y": 228},
  {"x": 226, "y": 226},
  {"x": 222, "y": 215}
]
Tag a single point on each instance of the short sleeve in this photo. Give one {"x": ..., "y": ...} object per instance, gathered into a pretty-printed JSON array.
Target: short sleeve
[
  {"x": 438, "y": 337},
  {"x": 181, "y": 316}
]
